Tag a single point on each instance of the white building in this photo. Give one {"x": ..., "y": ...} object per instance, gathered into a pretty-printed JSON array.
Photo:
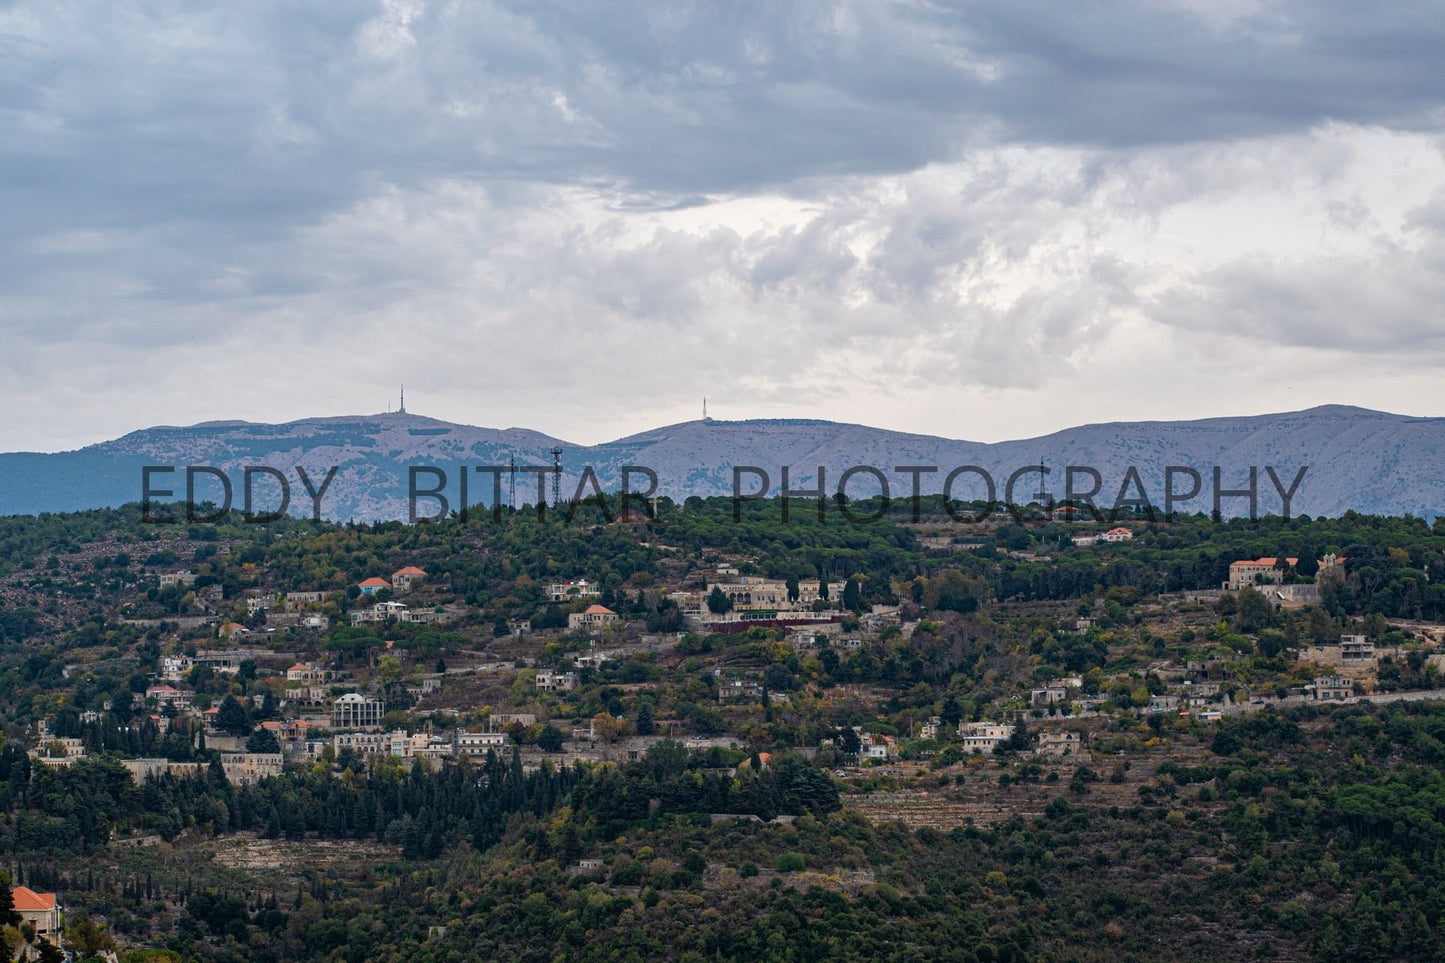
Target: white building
[
  {"x": 572, "y": 591},
  {"x": 984, "y": 736},
  {"x": 548, "y": 681},
  {"x": 595, "y": 617},
  {"x": 175, "y": 668},
  {"x": 872, "y": 745},
  {"x": 478, "y": 744},
  {"x": 380, "y": 612},
  {"x": 356, "y": 711}
]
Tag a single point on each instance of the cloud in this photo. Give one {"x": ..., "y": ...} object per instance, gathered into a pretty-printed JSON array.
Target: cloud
[{"x": 581, "y": 213}]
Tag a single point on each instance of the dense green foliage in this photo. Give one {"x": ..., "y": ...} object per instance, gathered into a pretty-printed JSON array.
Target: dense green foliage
[{"x": 1299, "y": 833}]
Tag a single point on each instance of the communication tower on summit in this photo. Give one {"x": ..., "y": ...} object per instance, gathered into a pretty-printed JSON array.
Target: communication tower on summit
[{"x": 556, "y": 476}]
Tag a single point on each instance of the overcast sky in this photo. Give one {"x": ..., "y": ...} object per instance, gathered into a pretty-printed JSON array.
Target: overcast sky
[{"x": 984, "y": 220}]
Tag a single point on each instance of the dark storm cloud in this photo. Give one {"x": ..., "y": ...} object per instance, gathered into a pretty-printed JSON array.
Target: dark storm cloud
[{"x": 262, "y": 111}]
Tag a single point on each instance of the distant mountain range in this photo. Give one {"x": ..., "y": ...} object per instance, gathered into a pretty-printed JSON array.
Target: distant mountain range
[{"x": 1369, "y": 461}]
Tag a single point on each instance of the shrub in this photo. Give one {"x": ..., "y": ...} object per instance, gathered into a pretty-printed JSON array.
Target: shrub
[{"x": 791, "y": 863}]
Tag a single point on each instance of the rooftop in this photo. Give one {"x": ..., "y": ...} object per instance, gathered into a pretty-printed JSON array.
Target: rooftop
[{"x": 26, "y": 899}]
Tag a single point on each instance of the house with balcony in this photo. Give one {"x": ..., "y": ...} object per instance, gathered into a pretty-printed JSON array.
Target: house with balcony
[
  {"x": 168, "y": 695},
  {"x": 734, "y": 690},
  {"x": 308, "y": 672},
  {"x": 549, "y": 681},
  {"x": 405, "y": 579},
  {"x": 1331, "y": 688},
  {"x": 380, "y": 612},
  {"x": 595, "y": 617},
  {"x": 1059, "y": 743},
  {"x": 573, "y": 591},
  {"x": 984, "y": 736},
  {"x": 356, "y": 711}
]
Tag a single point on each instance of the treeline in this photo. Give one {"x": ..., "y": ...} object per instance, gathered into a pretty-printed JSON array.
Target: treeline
[
  {"x": 421, "y": 808},
  {"x": 78, "y": 806}
]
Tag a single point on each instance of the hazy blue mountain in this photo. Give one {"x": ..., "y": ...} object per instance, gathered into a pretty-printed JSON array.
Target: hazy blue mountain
[{"x": 1358, "y": 459}]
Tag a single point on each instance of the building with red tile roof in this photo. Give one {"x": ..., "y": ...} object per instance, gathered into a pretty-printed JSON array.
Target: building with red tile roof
[
  {"x": 403, "y": 578},
  {"x": 39, "y": 910},
  {"x": 595, "y": 616},
  {"x": 1249, "y": 572},
  {"x": 373, "y": 585}
]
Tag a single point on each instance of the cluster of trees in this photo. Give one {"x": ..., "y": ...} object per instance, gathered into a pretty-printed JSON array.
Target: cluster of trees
[
  {"x": 1311, "y": 832},
  {"x": 670, "y": 780},
  {"x": 79, "y": 806},
  {"x": 1389, "y": 561},
  {"x": 420, "y": 808}
]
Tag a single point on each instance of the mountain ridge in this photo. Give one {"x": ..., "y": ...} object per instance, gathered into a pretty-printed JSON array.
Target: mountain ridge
[{"x": 1358, "y": 458}]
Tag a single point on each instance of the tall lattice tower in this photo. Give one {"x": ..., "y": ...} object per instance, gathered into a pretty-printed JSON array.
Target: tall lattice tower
[{"x": 556, "y": 477}]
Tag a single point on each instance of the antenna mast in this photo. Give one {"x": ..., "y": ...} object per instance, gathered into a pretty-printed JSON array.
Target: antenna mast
[
  {"x": 402, "y": 409},
  {"x": 556, "y": 476}
]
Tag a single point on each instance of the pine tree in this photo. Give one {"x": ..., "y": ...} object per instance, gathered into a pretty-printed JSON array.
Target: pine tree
[
  {"x": 8, "y": 916},
  {"x": 645, "y": 725}
]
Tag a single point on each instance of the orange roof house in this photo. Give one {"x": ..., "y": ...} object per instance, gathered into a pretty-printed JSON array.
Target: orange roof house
[
  {"x": 595, "y": 615},
  {"x": 402, "y": 578},
  {"x": 1247, "y": 572},
  {"x": 27, "y": 899},
  {"x": 39, "y": 910},
  {"x": 373, "y": 585}
]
